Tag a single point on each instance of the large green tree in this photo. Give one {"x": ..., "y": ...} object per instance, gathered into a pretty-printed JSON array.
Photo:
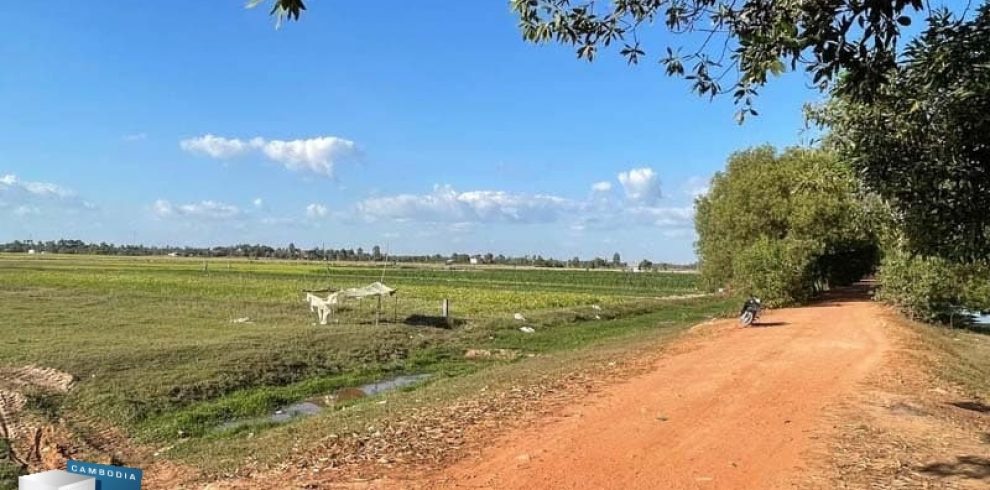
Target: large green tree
[
  {"x": 922, "y": 144},
  {"x": 783, "y": 226},
  {"x": 923, "y": 141}
]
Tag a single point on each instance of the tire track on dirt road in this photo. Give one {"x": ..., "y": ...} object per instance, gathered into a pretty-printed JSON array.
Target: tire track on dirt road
[{"x": 13, "y": 382}]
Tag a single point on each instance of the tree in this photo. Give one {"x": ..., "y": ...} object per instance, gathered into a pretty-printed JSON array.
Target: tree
[
  {"x": 780, "y": 271},
  {"x": 783, "y": 226},
  {"x": 645, "y": 265},
  {"x": 931, "y": 160},
  {"x": 748, "y": 42},
  {"x": 376, "y": 253},
  {"x": 616, "y": 260}
]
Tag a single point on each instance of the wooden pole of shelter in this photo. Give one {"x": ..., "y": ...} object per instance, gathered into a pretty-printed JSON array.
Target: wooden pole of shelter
[
  {"x": 326, "y": 260},
  {"x": 378, "y": 311}
]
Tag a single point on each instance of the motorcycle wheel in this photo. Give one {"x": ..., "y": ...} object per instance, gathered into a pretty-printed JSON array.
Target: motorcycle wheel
[{"x": 746, "y": 319}]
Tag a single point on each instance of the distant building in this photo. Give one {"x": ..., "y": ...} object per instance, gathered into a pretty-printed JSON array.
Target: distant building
[
  {"x": 31, "y": 251},
  {"x": 173, "y": 254},
  {"x": 474, "y": 260}
]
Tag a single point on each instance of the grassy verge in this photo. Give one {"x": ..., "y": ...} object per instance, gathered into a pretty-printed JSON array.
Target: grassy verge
[
  {"x": 557, "y": 349},
  {"x": 964, "y": 357},
  {"x": 554, "y": 332}
]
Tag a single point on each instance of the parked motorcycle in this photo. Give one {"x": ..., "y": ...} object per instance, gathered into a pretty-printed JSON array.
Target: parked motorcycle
[{"x": 750, "y": 311}]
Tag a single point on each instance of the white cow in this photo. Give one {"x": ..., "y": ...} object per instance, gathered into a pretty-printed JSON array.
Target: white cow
[{"x": 322, "y": 307}]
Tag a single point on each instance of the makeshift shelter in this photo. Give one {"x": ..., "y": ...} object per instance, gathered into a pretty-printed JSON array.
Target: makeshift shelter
[{"x": 373, "y": 290}]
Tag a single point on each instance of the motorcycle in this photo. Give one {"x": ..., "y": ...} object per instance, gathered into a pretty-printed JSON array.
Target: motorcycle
[{"x": 750, "y": 311}]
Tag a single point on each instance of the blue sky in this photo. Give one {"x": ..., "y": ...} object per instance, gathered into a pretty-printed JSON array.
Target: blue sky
[{"x": 420, "y": 126}]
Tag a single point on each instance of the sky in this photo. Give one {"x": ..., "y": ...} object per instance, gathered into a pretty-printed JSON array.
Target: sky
[{"x": 422, "y": 127}]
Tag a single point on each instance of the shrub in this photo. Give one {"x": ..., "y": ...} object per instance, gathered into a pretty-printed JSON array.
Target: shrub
[
  {"x": 924, "y": 288},
  {"x": 778, "y": 271}
]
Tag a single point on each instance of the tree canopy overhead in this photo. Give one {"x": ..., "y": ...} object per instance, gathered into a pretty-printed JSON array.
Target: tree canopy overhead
[
  {"x": 735, "y": 46},
  {"x": 282, "y": 9},
  {"x": 923, "y": 141},
  {"x": 739, "y": 45}
]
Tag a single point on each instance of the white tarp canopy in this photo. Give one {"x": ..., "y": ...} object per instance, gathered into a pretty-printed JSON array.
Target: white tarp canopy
[{"x": 374, "y": 289}]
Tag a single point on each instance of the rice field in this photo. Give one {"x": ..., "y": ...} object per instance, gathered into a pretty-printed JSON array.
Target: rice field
[{"x": 159, "y": 354}]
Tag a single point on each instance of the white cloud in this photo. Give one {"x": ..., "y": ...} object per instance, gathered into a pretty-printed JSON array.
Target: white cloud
[
  {"x": 28, "y": 197},
  {"x": 618, "y": 216},
  {"x": 445, "y": 204},
  {"x": 162, "y": 208},
  {"x": 697, "y": 186},
  {"x": 215, "y": 146},
  {"x": 315, "y": 210},
  {"x": 604, "y": 186},
  {"x": 10, "y": 183},
  {"x": 258, "y": 202},
  {"x": 318, "y": 155},
  {"x": 662, "y": 216},
  {"x": 642, "y": 185},
  {"x": 202, "y": 209}
]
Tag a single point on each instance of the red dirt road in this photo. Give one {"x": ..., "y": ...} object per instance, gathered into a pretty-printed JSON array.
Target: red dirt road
[{"x": 734, "y": 410}]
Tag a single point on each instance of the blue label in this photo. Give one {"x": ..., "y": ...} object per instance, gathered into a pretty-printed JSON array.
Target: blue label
[{"x": 107, "y": 477}]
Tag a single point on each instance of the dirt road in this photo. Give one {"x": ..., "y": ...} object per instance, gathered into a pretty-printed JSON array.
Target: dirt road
[{"x": 737, "y": 409}]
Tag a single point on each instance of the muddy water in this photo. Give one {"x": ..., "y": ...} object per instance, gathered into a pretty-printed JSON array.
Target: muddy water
[
  {"x": 315, "y": 405},
  {"x": 982, "y": 320},
  {"x": 395, "y": 383}
]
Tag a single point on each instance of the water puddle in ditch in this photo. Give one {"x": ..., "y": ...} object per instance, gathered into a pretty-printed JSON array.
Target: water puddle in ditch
[
  {"x": 315, "y": 405},
  {"x": 976, "y": 318}
]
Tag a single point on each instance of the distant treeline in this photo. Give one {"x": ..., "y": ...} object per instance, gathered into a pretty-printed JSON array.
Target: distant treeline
[{"x": 291, "y": 252}]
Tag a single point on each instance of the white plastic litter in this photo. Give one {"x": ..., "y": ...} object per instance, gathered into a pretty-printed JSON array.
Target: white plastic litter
[
  {"x": 526, "y": 329},
  {"x": 519, "y": 316}
]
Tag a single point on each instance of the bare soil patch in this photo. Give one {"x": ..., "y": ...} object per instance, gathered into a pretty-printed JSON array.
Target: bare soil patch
[{"x": 31, "y": 441}]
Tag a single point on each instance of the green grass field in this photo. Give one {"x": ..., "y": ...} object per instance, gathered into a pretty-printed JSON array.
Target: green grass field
[{"x": 152, "y": 345}]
